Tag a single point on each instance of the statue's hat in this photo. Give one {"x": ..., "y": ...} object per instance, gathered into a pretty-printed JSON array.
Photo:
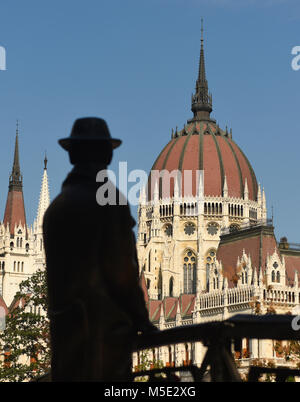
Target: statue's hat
[{"x": 89, "y": 129}]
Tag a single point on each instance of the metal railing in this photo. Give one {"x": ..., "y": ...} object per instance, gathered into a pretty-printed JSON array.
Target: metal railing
[
  {"x": 218, "y": 337},
  {"x": 246, "y": 226}
]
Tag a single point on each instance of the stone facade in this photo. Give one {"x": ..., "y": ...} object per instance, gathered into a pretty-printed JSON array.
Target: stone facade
[
  {"x": 212, "y": 253},
  {"x": 21, "y": 246}
]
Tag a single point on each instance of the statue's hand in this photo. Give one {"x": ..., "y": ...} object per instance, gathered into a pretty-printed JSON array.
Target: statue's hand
[{"x": 147, "y": 327}]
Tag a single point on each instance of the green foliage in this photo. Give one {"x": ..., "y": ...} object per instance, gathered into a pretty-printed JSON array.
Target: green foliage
[
  {"x": 146, "y": 364},
  {"x": 26, "y": 335}
]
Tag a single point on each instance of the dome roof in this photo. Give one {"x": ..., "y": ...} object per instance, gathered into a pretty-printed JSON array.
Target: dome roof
[{"x": 202, "y": 145}]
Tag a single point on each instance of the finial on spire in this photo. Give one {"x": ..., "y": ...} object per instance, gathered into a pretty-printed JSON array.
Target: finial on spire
[
  {"x": 202, "y": 100},
  {"x": 45, "y": 161}
]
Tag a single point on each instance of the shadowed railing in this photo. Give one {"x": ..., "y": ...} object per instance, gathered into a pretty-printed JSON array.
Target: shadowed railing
[{"x": 219, "y": 337}]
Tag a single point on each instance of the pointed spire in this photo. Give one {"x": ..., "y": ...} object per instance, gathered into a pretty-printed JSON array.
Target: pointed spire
[
  {"x": 259, "y": 194},
  {"x": 44, "y": 199},
  {"x": 225, "y": 283},
  {"x": 264, "y": 204},
  {"x": 45, "y": 161},
  {"x": 260, "y": 277},
  {"x": 225, "y": 187},
  {"x": 296, "y": 279},
  {"x": 15, "y": 179},
  {"x": 201, "y": 185},
  {"x": 246, "y": 191},
  {"x": 176, "y": 189},
  {"x": 202, "y": 100},
  {"x": 255, "y": 277},
  {"x": 161, "y": 316},
  {"x": 14, "y": 214}
]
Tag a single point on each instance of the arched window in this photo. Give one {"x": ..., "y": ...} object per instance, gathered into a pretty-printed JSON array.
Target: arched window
[
  {"x": 189, "y": 272},
  {"x": 211, "y": 270},
  {"x": 186, "y": 362},
  {"x": 171, "y": 286},
  {"x": 273, "y": 276},
  {"x": 278, "y": 277}
]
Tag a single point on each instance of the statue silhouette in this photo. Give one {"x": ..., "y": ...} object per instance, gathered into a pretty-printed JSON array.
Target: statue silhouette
[{"x": 96, "y": 305}]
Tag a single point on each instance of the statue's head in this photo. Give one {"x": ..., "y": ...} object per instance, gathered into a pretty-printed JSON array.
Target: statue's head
[{"x": 90, "y": 141}]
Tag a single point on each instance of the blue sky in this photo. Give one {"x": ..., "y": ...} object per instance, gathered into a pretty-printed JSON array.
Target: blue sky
[{"x": 134, "y": 63}]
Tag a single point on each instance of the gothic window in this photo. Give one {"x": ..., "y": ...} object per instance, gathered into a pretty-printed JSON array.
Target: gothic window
[
  {"x": 189, "y": 272},
  {"x": 273, "y": 276},
  {"x": 168, "y": 230},
  {"x": 244, "y": 276},
  {"x": 275, "y": 265},
  {"x": 171, "y": 286},
  {"x": 210, "y": 260},
  {"x": 27, "y": 247},
  {"x": 212, "y": 228},
  {"x": 278, "y": 277},
  {"x": 189, "y": 228}
]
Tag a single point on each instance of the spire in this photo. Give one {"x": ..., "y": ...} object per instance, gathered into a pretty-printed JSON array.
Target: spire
[
  {"x": 45, "y": 161},
  {"x": 15, "y": 211},
  {"x": 202, "y": 100},
  {"x": 44, "y": 198},
  {"x": 246, "y": 191},
  {"x": 225, "y": 188},
  {"x": 15, "y": 179}
]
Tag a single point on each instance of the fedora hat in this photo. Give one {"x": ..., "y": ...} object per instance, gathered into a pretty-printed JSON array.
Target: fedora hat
[{"x": 89, "y": 129}]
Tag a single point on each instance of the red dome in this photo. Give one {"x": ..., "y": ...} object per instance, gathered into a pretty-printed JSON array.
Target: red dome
[{"x": 202, "y": 145}]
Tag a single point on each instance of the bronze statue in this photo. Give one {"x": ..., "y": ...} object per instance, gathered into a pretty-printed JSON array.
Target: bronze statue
[{"x": 96, "y": 305}]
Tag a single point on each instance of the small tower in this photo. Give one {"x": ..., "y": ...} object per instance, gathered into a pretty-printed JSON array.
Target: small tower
[
  {"x": 202, "y": 100},
  {"x": 44, "y": 198},
  {"x": 15, "y": 211},
  {"x": 44, "y": 202}
]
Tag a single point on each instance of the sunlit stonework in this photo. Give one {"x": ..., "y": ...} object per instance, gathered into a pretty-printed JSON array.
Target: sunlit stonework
[{"x": 212, "y": 253}]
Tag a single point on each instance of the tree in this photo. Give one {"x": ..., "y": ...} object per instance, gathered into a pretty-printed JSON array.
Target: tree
[{"x": 26, "y": 337}]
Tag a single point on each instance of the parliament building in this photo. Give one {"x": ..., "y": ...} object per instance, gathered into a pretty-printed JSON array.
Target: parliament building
[{"x": 206, "y": 247}]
